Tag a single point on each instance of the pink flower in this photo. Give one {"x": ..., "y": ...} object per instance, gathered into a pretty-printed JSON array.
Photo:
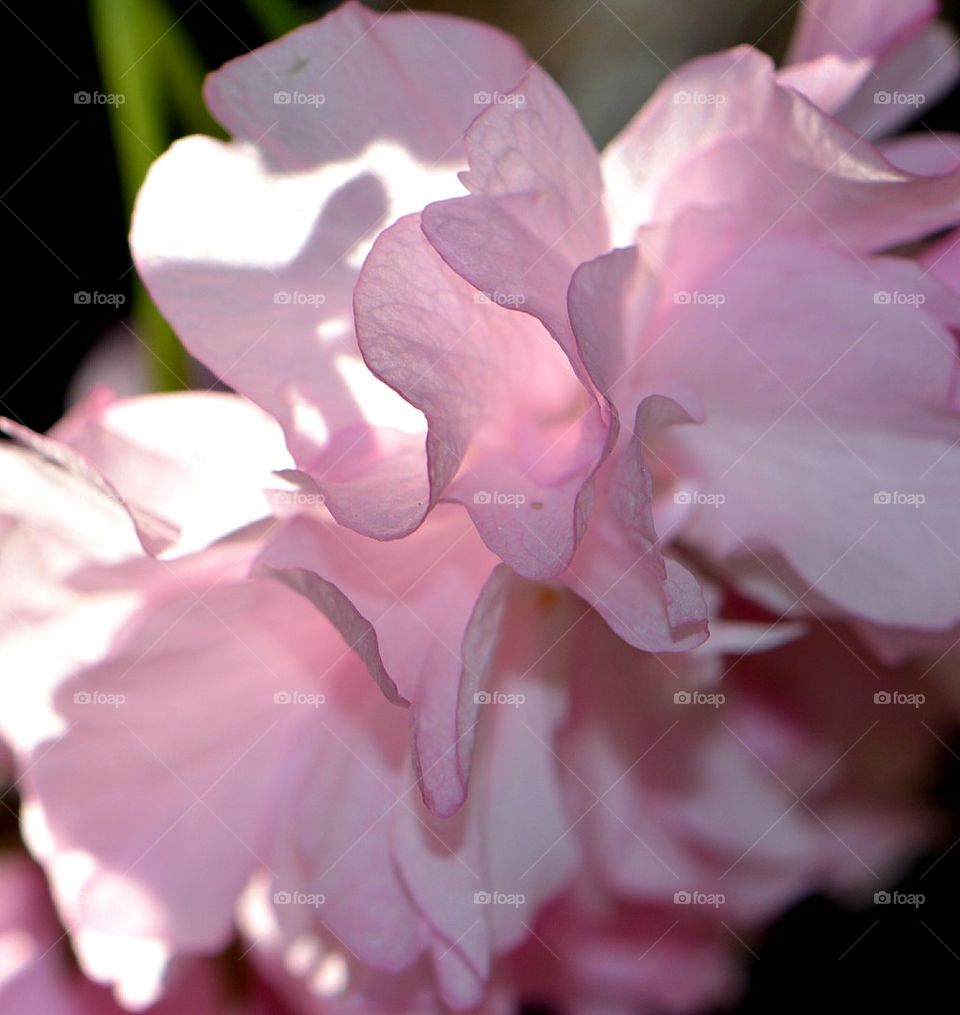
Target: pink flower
[
  {"x": 194, "y": 732},
  {"x": 757, "y": 301},
  {"x": 203, "y": 747},
  {"x": 521, "y": 342},
  {"x": 551, "y": 371},
  {"x": 527, "y": 415},
  {"x": 516, "y": 428}
]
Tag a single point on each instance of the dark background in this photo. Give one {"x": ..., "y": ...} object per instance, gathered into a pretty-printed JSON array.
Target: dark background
[{"x": 62, "y": 224}]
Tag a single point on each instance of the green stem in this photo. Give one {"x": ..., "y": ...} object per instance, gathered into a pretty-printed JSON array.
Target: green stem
[
  {"x": 177, "y": 62},
  {"x": 126, "y": 43},
  {"x": 275, "y": 17}
]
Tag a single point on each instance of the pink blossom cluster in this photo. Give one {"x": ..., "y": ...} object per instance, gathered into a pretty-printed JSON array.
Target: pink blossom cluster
[{"x": 537, "y": 616}]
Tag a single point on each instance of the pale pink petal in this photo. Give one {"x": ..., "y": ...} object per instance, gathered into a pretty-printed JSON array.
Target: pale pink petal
[
  {"x": 617, "y": 959},
  {"x": 857, "y": 29},
  {"x": 480, "y": 892},
  {"x": 837, "y": 48},
  {"x": 252, "y": 249},
  {"x": 199, "y": 460},
  {"x": 874, "y": 66},
  {"x": 722, "y": 132},
  {"x": 681, "y": 800},
  {"x": 610, "y": 300},
  {"x": 433, "y": 67},
  {"x": 32, "y": 978},
  {"x": 829, "y": 81},
  {"x": 152, "y": 818},
  {"x": 423, "y": 614},
  {"x": 703, "y": 104},
  {"x": 653, "y": 603},
  {"x": 894, "y": 646},
  {"x": 907, "y": 85},
  {"x": 310, "y": 968},
  {"x": 863, "y": 785},
  {"x": 536, "y": 206},
  {"x": 924, "y": 154},
  {"x": 513, "y": 435},
  {"x": 36, "y": 973},
  {"x": 69, "y": 477},
  {"x": 840, "y": 400},
  {"x": 334, "y": 866},
  {"x": 942, "y": 260}
]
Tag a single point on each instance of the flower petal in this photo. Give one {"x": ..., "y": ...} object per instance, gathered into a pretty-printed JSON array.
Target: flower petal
[
  {"x": 252, "y": 249},
  {"x": 725, "y": 133},
  {"x": 422, "y": 613},
  {"x": 852, "y": 373},
  {"x": 513, "y": 435}
]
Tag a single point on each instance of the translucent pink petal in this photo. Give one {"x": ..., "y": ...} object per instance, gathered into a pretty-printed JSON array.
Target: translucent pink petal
[
  {"x": 907, "y": 84},
  {"x": 252, "y": 249},
  {"x": 924, "y": 154},
  {"x": 725, "y": 133},
  {"x": 652, "y": 603},
  {"x": 181, "y": 806},
  {"x": 479, "y": 891},
  {"x": 67, "y": 476},
  {"x": 513, "y": 435},
  {"x": 835, "y": 26},
  {"x": 423, "y": 614},
  {"x": 434, "y": 66},
  {"x": 536, "y": 205},
  {"x": 840, "y": 400},
  {"x": 201, "y": 460}
]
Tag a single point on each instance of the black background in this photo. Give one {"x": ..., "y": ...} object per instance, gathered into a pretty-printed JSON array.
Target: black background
[{"x": 62, "y": 229}]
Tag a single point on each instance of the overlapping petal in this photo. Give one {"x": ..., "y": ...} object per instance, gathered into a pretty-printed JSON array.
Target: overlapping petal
[
  {"x": 723, "y": 131},
  {"x": 514, "y": 436},
  {"x": 273, "y": 318},
  {"x": 422, "y": 613},
  {"x": 871, "y": 66}
]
